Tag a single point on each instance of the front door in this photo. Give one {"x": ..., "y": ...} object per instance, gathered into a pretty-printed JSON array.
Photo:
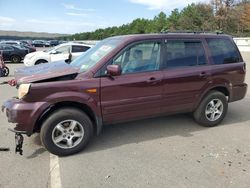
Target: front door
[
  {"x": 137, "y": 92},
  {"x": 61, "y": 53}
]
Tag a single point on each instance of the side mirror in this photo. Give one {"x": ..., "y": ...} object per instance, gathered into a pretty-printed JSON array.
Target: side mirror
[
  {"x": 114, "y": 70},
  {"x": 53, "y": 52}
]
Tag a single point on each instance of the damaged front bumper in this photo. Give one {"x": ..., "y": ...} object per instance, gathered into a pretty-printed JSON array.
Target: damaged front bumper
[{"x": 24, "y": 115}]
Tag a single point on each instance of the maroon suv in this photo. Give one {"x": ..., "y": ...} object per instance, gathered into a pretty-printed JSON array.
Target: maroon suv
[{"x": 126, "y": 78}]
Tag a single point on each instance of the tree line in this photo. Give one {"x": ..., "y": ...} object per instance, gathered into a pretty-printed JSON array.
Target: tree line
[{"x": 229, "y": 16}]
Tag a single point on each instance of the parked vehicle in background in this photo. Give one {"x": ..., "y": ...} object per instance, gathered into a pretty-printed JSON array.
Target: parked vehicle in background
[
  {"x": 62, "y": 42},
  {"x": 61, "y": 52},
  {"x": 126, "y": 78},
  {"x": 54, "y": 42},
  {"x": 27, "y": 42},
  {"x": 38, "y": 43},
  {"x": 47, "y": 43},
  {"x": 21, "y": 44},
  {"x": 30, "y": 48},
  {"x": 4, "y": 70},
  {"x": 13, "y": 53},
  {"x": 11, "y": 42}
]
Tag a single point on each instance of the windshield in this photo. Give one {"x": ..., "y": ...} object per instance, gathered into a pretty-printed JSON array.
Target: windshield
[{"x": 95, "y": 54}]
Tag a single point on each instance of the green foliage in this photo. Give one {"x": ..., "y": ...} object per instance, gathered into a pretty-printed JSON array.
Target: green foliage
[{"x": 226, "y": 15}]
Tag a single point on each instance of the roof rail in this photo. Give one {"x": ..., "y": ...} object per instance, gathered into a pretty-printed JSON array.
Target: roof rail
[{"x": 218, "y": 32}]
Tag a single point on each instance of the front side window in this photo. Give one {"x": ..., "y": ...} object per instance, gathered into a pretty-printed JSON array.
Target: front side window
[
  {"x": 63, "y": 50},
  {"x": 141, "y": 57},
  {"x": 223, "y": 51},
  {"x": 184, "y": 53}
]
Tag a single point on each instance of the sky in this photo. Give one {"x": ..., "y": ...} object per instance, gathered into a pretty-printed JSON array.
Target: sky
[{"x": 74, "y": 16}]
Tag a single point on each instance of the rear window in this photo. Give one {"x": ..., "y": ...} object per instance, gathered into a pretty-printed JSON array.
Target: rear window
[{"x": 223, "y": 51}]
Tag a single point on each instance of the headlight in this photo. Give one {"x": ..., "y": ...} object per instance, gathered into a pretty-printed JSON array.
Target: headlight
[
  {"x": 23, "y": 90},
  {"x": 29, "y": 56}
]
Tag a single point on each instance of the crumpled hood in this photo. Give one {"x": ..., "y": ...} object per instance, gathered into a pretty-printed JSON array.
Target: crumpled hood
[{"x": 43, "y": 72}]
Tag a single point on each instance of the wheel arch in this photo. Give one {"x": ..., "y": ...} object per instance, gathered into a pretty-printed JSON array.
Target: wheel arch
[
  {"x": 43, "y": 59},
  {"x": 97, "y": 121},
  {"x": 15, "y": 55},
  {"x": 221, "y": 88}
]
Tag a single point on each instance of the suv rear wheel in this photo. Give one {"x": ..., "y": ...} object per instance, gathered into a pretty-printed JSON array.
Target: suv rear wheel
[
  {"x": 66, "y": 131},
  {"x": 212, "y": 109}
]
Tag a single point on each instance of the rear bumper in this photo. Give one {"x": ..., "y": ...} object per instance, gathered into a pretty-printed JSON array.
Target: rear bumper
[
  {"x": 238, "y": 92},
  {"x": 23, "y": 114}
]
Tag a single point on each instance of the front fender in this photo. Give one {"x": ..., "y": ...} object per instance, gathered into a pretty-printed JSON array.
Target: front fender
[{"x": 72, "y": 96}]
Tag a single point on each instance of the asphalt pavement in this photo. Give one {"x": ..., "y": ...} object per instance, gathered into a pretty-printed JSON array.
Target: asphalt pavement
[{"x": 171, "y": 151}]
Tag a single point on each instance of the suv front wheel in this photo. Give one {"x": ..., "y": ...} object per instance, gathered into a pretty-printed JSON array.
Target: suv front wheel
[
  {"x": 212, "y": 109},
  {"x": 66, "y": 131}
]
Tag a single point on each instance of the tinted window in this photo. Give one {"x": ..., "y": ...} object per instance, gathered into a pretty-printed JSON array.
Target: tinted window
[
  {"x": 181, "y": 53},
  {"x": 7, "y": 48},
  {"x": 12, "y": 43},
  {"x": 79, "y": 49},
  {"x": 223, "y": 51},
  {"x": 140, "y": 58}
]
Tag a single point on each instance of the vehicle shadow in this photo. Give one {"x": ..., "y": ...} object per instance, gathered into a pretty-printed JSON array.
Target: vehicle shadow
[
  {"x": 11, "y": 63},
  {"x": 161, "y": 127}
]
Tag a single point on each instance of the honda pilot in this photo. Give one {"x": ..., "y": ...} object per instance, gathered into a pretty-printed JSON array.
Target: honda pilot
[{"x": 126, "y": 78}]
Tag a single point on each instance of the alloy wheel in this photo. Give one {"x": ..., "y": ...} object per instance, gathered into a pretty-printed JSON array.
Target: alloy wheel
[{"x": 67, "y": 134}]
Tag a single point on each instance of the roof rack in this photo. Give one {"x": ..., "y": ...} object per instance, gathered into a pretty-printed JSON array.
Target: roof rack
[{"x": 218, "y": 32}]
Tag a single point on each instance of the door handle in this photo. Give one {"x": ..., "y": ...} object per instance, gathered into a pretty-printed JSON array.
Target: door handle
[
  {"x": 153, "y": 80},
  {"x": 203, "y": 74}
]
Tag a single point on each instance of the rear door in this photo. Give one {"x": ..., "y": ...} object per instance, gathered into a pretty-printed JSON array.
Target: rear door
[
  {"x": 186, "y": 74},
  {"x": 136, "y": 93}
]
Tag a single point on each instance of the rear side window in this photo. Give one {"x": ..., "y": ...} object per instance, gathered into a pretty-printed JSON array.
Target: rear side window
[
  {"x": 223, "y": 51},
  {"x": 184, "y": 53},
  {"x": 76, "y": 49}
]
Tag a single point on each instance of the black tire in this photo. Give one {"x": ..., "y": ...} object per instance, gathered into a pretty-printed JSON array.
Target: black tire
[
  {"x": 202, "y": 117},
  {"x": 15, "y": 59},
  {"x": 6, "y": 71},
  {"x": 40, "y": 61},
  {"x": 63, "y": 115}
]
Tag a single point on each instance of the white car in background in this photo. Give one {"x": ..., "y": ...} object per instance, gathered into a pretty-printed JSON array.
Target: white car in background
[{"x": 61, "y": 52}]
